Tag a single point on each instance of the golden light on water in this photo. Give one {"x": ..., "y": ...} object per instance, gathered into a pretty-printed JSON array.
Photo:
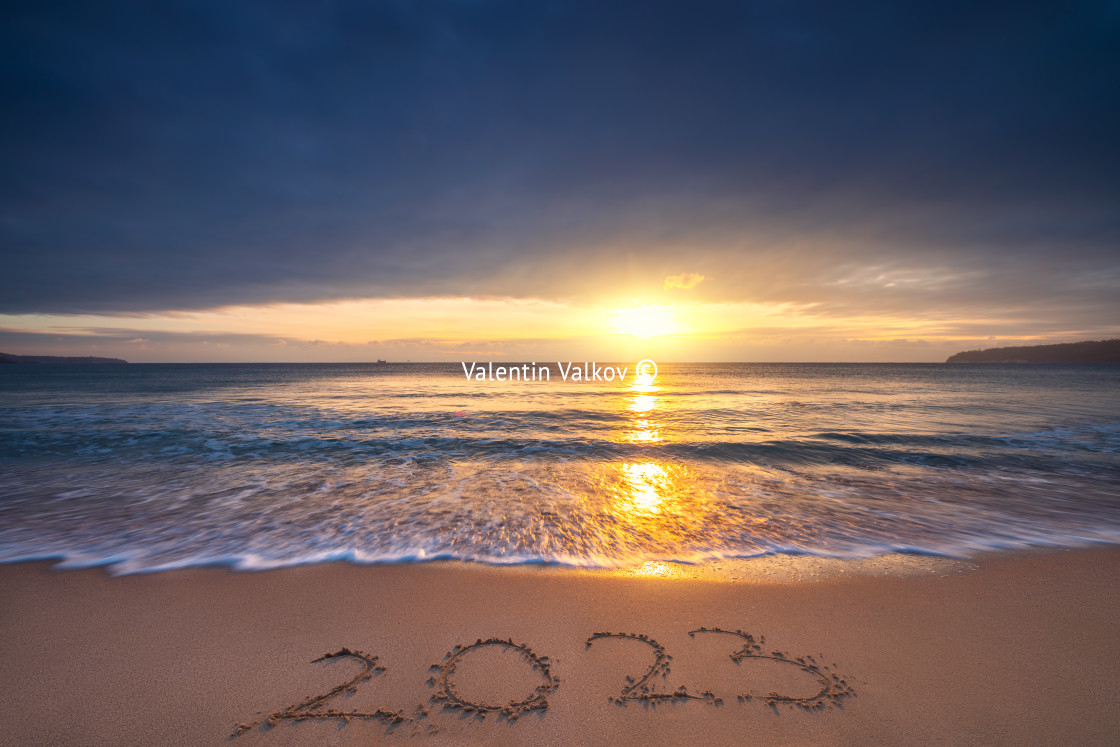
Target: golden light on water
[
  {"x": 655, "y": 507},
  {"x": 646, "y": 486},
  {"x": 654, "y": 569},
  {"x": 641, "y": 405},
  {"x": 652, "y": 495},
  {"x": 643, "y": 432},
  {"x": 663, "y": 506}
]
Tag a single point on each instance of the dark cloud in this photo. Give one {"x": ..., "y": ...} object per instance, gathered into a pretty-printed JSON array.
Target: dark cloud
[{"x": 187, "y": 155}]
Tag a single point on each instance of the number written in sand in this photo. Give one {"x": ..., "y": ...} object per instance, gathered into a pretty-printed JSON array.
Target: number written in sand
[
  {"x": 450, "y": 697},
  {"x": 312, "y": 707},
  {"x": 833, "y": 687},
  {"x": 642, "y": 689}
]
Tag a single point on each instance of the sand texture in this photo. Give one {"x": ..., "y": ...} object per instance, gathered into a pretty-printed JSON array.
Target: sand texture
[{"x": 1016, "y": 649}]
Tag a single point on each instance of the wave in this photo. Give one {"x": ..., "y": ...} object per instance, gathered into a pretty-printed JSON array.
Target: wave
[
  {"x": 254, "y": 467},
  {"x": 586, "y": 513}
]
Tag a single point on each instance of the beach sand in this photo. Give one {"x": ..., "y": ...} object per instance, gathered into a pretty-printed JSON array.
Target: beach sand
[{"x": 1013, "y": 649}]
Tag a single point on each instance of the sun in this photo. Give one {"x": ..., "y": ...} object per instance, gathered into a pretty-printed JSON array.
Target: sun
[{"x": 645, "y": 321}]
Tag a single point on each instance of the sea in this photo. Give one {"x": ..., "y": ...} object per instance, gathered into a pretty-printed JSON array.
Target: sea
[{"x": 148, "y": 467}]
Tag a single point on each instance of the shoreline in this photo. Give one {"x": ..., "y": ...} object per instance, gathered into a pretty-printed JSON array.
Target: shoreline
[
  {"x": 1015, "y": 647},
  {"x": 768, "y": 567}
]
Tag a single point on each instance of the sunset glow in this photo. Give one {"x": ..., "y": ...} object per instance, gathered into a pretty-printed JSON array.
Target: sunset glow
[
  {"x": 422, "y": 216},
  {"x": 449, "y": 329},
  {"x": 645, "y": 321}
]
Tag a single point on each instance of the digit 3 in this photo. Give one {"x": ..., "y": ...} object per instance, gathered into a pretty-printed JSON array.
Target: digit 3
[{"x": 833, "y": 687}]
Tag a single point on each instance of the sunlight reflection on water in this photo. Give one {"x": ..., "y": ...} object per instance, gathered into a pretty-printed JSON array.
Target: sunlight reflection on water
[{"x": 258, "y": 466}]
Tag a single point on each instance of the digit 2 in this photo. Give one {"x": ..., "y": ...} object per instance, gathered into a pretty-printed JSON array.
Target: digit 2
[
  {"x": 642, "y": 689},
  {"x": 306, "y": 709}
]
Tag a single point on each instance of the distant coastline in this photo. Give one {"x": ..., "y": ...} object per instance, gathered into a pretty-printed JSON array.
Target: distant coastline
[
  {"x": 8, "y": 358},
  {"x": 1099, "y": 351},
  {"x": 1093, "y": 351}
]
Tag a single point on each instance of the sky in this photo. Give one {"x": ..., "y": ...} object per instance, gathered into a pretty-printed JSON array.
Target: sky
[{"x": 724, "y": 181}]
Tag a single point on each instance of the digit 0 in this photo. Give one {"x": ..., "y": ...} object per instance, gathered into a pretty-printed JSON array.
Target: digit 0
[{"x": 451, "y": 698}]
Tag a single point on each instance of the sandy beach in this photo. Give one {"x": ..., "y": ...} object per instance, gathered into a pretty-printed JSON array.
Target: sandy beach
[{"x": 1014, "y": 649}]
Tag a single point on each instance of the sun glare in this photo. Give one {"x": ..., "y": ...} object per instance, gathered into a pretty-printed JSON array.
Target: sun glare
[{"x": 645, "y": 321}]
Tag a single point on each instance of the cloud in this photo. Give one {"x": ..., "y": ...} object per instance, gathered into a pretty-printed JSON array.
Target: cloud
[
  {"x": 880, "y": 158},
  {"x": 684, "y": 281}
]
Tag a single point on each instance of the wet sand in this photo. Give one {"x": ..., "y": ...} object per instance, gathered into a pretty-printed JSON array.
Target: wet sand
[{"x": 1012, "y": 649}]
